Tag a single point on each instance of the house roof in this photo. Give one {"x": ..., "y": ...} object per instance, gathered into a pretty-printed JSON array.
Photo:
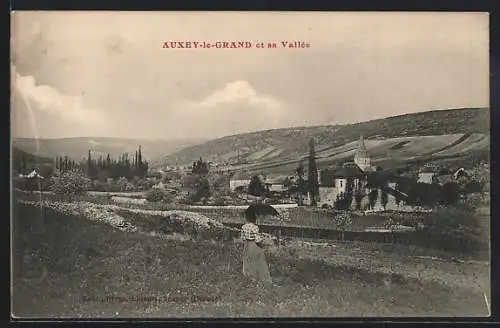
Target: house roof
[
  {"x": 395, "y": 192},
  {"x": 348, "y": 171},
  {"x": 370, "y": 169},
  {"x": 428, "y": 169},
  {"x": 275, "y": 180},
  {"x": 33, "y": 174},
  {"x": 327, "y": 178},
  {"x": 384, "y": 176},
  {"x": 444, "y": 171}
]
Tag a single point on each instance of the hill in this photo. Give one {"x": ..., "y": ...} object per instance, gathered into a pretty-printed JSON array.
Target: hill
[
  {"x": 22, "y": 162},
  {"x": 18, "y": 155},
  {"x": 404, "y": 138},
  {"x": 77, "y": 148}
]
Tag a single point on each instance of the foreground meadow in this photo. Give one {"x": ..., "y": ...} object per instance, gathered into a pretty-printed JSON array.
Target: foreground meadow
[{"x": 66, "y": 266}]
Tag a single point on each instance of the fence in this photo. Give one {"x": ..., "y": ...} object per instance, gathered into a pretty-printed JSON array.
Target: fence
[{"x": 422, "y": 239}]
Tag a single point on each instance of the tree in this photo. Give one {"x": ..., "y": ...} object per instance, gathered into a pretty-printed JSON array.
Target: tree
[
  {"x": 200, "y": 167},
  {"x": 256, "y": 187},
  {"x": 384, "y": 198},
  {"x": 450, "y": 193},
  {"x": 70, "y": 183},
  {"x": 358, "y": 197},
  {"x": 202, "y": 190},
  {"x": 424, "y": 194},
  {"x": 473, "y": 186},
  {"x": 89, "y": 165},
  {"x": 122, "y": 183},
  {"x": 312, "y": 177},
  {"x": 32, "y": 184},
  {"x": 372, "y": 197},
  {"x": 390, "y": 224},
  {"x": 343, "y": 201},
  {"x": 130, "y": 187},
  {"x": 155, "y": 195},
  {"x": 343, "y": 221},
  {"x": 300, "y": 183}
]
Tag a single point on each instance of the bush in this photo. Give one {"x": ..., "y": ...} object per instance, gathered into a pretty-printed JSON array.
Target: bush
[
  {"x": 473, "y": 187},
  {"x": 122, "y": 183},
  {"x": 426, "y": 194},
  {"x": 256, "y": 187},
  {"x": 202, "y": 190},
  {"x": 155, "y": 195},
  {"x": 372, "y": 197},
  {"x": 69, "y": 184},
  {"x": 343, "y": 201},
  {"x": 219, "y": 201},
  {"x": 358, "y": 197},
  {"x": 30, "y": 184},
  {"x": 459, "y": 226},
  {"x": 130, "y": 187},
  {"x": 450, "y": 193},
  {"x": 343, "y": 221}
]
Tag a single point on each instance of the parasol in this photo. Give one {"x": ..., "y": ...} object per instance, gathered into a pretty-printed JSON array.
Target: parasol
[{"x": 262, "y": 209}]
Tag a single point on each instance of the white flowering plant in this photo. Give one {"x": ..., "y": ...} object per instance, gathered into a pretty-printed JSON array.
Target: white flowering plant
[{"x": 69, "y": 184}]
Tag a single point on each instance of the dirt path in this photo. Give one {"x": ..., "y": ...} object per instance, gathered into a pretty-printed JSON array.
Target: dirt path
[{"x": 472, "y": 275}]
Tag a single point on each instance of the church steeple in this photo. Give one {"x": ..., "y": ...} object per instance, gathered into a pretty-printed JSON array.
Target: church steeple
[
  {"x": 361, "y": 145},
  {"x": 361, "y": 157}
]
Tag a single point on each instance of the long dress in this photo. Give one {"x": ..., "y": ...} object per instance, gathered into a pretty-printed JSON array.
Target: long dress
[{"x": 254, "y": 260}]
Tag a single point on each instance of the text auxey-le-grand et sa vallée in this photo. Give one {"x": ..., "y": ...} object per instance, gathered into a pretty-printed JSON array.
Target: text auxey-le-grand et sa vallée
[{"x": 234, "y": 44}]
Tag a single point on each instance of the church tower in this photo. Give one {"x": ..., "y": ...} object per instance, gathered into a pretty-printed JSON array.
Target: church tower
[{"x": 361, "y": 157}]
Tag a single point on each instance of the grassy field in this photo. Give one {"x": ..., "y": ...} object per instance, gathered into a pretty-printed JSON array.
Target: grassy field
[{"x": 92, "y": 270}]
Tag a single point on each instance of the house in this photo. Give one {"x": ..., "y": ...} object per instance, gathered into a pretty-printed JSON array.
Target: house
[
  {"x": 350, "y": 178},
  {"x": 240, "y": 180},
  {"x": 33, "y": 174},
  {"x": 396, "y": 199},
  {"x": 275, "y": 185},
  {"x": 335, "y": 182},
  {"x": 160, "y": 185},
  {"x": 428, "y": 174},
  {"x": 444, "y": 176}
]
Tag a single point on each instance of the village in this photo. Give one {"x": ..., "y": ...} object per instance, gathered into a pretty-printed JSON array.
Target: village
[{"x": 353, "y": 185}]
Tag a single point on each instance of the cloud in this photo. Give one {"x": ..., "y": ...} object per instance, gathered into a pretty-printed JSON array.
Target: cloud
[
  {"x": 240, "y": 91},
  {"x": 236, "y": 108},
  {"x": 43, "y": 99}
]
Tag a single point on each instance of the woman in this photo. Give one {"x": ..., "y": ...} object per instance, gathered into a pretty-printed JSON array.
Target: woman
[{"x": 254, "y": 260}]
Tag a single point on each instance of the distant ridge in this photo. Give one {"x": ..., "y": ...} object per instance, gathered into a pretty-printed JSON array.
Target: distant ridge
[
  {"x": 77, "y": 147},
  {"x": 287, "y": 144}
]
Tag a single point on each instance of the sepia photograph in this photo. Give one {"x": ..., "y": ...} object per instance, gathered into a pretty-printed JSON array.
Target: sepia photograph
[{"x": 249, "y": 164}]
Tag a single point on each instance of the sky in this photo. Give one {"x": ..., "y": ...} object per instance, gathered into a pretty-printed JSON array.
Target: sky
[{"x": 106, "y": 74}]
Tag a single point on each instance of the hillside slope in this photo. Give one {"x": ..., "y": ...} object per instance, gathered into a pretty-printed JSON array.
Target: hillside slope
[
  {"x": 410, "y": 135},
  {"x": 17, "y": 155},
  {"x": 23, "y": 162},
  {"x": 461, "y": 149},
  {"x": 77, "y": 148}
]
